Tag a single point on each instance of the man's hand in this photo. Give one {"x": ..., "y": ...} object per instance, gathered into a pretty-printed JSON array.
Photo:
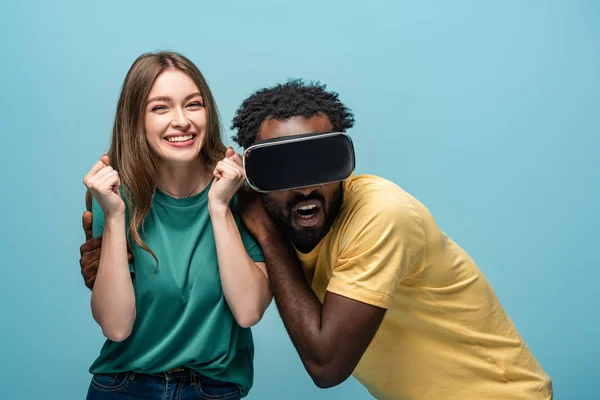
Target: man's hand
[
  {"x": 90, "y": 252},
  {"x": 253, "y": 214}
]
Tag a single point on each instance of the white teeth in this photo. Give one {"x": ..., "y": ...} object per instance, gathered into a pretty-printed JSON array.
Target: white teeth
[
  {"x": 180, "y": 138},
  {"x": 307, "y": 212}
]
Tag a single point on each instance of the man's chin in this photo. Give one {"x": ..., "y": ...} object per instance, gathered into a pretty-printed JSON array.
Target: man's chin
[{"x": 305, "y": 239}]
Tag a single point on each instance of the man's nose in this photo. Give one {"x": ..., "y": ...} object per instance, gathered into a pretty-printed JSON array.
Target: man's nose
[{"x": 306, "y": 191}]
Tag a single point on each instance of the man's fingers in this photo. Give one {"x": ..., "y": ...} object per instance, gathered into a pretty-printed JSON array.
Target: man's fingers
[
  {"x": 90, "y": 256},
  {"x": 90, "y": 270},
  {"x": 89, "y": 282},
  {"x": 229, "y": 152},
  {"x": 105, "y": 159},
  {"x": 86, "y": 221},
  {"x": 90, "y": 245}
]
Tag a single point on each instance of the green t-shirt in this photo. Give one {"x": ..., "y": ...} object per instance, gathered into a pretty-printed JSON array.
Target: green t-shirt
[{"x": 182, "y": 318}]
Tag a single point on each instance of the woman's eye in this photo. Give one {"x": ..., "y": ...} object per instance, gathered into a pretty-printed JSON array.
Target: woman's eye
[
  {"x": 195, "y": 104},
  {"x": 158, "y": 108}
]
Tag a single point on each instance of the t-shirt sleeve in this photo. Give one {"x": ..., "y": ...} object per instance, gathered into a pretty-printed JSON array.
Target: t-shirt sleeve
[
  {"x": 97, "y": 219},
  {"x": 250, "y": 244},
  {"x": 98, "y": 225},
  {"x": 382, "y": 242}
]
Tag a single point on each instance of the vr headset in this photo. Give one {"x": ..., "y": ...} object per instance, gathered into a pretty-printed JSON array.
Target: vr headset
[{"x": 297, "y": 161}]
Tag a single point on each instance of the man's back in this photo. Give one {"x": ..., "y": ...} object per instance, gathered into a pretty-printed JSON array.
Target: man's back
[{"x": 444, "y": 335}]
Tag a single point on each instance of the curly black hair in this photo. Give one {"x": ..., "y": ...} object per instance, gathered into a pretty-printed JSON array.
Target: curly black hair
[{"x": 286, "y": 100}]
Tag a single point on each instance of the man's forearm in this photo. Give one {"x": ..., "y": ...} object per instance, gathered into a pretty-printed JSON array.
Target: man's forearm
[{"x": 299, "y": 307}]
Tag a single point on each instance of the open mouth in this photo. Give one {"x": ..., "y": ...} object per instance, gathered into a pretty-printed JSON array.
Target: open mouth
[{"x": 307, "y": 213}]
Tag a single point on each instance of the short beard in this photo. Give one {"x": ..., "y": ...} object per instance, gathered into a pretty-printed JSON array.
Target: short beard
[{"x": 304, "y": 239}]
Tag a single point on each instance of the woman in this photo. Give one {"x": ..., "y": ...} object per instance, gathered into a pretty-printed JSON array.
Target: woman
[{"x": 177, "y": 318}]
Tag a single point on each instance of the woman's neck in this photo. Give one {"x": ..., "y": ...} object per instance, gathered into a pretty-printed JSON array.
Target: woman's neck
[{"x": 183, "y": 180}]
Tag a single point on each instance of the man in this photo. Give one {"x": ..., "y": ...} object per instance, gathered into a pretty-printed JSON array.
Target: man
[{"x": 365, "y": 281}]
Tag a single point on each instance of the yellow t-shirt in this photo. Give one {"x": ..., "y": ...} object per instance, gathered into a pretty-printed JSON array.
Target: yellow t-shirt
[{"x": 444, "y": 335}]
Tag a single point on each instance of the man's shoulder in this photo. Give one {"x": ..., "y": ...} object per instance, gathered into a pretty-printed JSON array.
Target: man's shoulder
[
  {"x": 377, "y": 218},
  {"x": 377, "y": 193}
]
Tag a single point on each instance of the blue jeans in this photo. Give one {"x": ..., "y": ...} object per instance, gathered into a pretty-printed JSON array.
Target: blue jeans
[{"x": 178, "y": 385}]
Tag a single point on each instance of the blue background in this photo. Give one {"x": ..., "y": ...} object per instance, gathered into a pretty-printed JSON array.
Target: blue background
[{"x": 487, "y": 112}]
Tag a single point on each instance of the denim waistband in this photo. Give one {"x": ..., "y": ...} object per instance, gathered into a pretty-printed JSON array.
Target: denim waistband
[{"x": 171, "y": 374}]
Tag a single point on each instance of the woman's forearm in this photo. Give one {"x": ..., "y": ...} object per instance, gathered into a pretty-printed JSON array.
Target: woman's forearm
[
  {"x": 244, "y": 282},
  {"x": 113, "y": 298}
]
